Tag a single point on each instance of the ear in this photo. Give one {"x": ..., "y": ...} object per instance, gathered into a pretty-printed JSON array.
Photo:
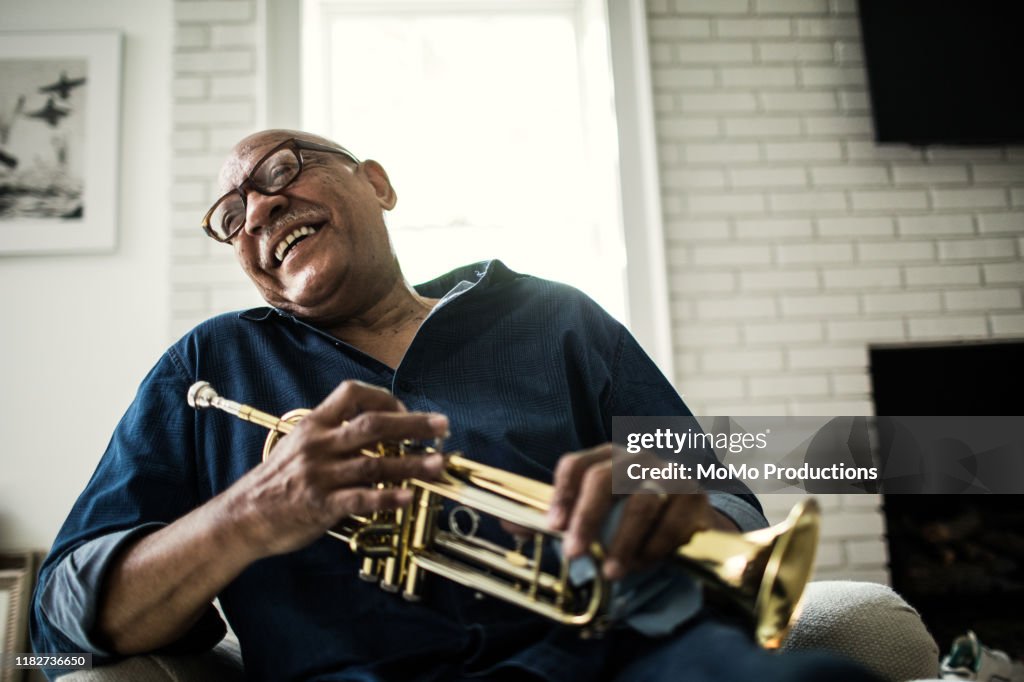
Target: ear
[{"x": 378, "y": 177}]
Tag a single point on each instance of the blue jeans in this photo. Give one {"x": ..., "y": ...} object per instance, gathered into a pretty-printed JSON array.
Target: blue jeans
[
  {"x": 707, "y": 649},
  {"x": 716, "y": 651}
]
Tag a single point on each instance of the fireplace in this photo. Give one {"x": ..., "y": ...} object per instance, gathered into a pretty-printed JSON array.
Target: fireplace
[{"x": 958, "y": 559}]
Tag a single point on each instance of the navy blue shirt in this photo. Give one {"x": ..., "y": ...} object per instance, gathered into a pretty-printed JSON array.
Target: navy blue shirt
[{"x": 526, "y": 370}]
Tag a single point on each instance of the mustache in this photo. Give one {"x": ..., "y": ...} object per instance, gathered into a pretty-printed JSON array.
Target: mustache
[{"x": 293, "y": 216}]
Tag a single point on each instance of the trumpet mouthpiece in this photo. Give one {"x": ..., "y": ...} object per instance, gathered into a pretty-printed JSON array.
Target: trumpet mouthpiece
[{"x": 201, "y": 395}]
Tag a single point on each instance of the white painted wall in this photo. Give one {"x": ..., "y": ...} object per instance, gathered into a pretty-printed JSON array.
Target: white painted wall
[{"x": 80, "y": 332}]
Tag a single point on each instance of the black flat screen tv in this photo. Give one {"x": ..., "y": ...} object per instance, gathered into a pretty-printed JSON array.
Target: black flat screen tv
[{"x": 947, "y": 72}]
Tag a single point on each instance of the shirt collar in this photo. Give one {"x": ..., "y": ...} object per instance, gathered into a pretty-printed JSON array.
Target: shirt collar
[{"x": 481, "y": 275}]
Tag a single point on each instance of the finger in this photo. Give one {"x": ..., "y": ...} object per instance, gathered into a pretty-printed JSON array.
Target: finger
[
  {"x": 641, "y": 516},
  {"x": 363, "y": 501},
  {"x": 370, "y": 428},
  {"x": 590, "y": 510},
  {"x": 364, "y": 471},
  {"x": 569, "y": 473},
  {"x": 683, "y": 515},
  {"x": 515, "y": 529},
  {"x": 351, "y": 398}
]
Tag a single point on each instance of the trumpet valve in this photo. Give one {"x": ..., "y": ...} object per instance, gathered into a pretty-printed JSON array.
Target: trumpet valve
[{"x": 368, "y": 570}]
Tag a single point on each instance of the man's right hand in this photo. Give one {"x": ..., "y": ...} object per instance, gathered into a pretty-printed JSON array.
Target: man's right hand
[{"x": 316, "y": 475}]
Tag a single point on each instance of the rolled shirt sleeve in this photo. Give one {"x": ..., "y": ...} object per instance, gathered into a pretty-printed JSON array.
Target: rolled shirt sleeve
[
  {"x": 69, "y": 600},
  {"x": 146, "y": 479}
]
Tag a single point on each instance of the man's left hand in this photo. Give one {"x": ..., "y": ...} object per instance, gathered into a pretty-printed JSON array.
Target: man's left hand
[{"x": 652, "y": 526}]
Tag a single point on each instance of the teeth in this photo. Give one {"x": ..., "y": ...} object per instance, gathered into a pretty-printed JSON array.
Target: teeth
[{"x": 290, "y": 238}]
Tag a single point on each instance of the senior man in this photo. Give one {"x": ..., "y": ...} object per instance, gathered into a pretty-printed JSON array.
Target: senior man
[{"x": 512, "y": 370}]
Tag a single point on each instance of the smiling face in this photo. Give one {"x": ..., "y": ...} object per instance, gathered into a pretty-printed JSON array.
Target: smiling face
[{"x": 319, "y": 249}]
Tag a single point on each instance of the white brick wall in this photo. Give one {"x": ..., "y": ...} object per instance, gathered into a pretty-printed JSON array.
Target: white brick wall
[
  {"x": 218, "y": 99},
  {"x": 794, "y": 241}
]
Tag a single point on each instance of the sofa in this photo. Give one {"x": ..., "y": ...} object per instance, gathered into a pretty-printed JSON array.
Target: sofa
[{"x": 867, "y": 622}]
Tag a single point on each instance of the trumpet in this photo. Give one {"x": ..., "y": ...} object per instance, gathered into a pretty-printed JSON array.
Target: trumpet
[{"x": 763, "y": 572}]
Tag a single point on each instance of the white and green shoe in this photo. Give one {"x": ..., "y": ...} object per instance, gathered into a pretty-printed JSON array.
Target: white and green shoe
[{"x": 968, "y": 659}]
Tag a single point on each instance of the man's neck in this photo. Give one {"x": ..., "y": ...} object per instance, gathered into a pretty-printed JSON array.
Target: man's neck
[{"x": 386, "y": 329}]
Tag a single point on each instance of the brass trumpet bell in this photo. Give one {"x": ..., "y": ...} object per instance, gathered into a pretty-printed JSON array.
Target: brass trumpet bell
[{"x": 763, "y": 572}]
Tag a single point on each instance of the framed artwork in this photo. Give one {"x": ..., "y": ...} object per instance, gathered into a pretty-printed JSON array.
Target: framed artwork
[{"x": 59, "y": 129}]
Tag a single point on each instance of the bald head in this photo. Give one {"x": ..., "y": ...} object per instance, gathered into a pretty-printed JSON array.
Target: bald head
[{"x": 253, "y": 146}]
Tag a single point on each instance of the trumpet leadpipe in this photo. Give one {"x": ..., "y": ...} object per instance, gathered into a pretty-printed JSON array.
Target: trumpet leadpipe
[{"x": 201, "y": 395}]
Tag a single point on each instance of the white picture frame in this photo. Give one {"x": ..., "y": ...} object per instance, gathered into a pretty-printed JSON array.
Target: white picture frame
[{"x": 60, "y": 106}]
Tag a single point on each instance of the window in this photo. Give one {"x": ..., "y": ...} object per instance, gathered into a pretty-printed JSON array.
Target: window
[{"x": 495, "y": 121}]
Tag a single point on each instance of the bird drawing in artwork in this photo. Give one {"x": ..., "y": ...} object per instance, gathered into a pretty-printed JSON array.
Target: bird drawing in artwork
[{"x": 63, "y": 87}]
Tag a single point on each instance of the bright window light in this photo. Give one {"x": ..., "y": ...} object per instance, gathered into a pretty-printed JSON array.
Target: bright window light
[{"x": 484, "y": 122}]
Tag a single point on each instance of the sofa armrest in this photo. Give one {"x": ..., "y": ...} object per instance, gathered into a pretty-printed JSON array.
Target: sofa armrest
[
  {"x": 868, "y": 623},
  {"x": 224, "y": 662}
]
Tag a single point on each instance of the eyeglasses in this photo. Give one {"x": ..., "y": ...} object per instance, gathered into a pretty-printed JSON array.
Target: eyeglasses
[{"x": 271, "y": 175}]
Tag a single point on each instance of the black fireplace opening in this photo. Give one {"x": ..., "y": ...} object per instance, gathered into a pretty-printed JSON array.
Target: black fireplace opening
[{"x": 958, "y": 559}]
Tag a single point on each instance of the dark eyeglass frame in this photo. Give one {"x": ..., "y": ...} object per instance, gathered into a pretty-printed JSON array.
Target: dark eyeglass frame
[{"x": 249, "y": 184}]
